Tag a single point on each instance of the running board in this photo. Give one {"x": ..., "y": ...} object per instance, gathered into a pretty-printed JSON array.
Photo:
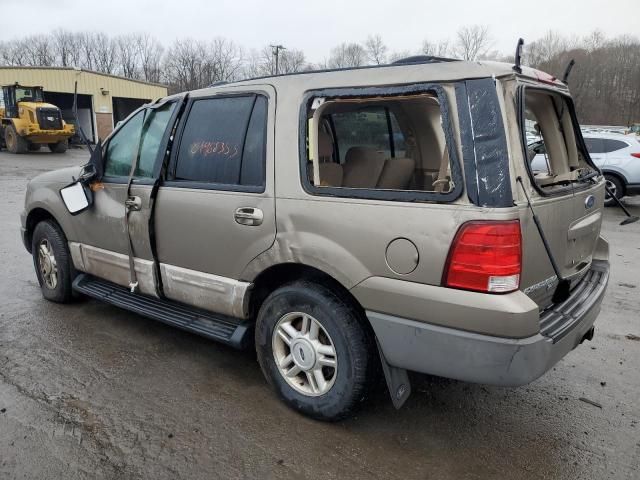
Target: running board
[{"x": 228, "y": 330}]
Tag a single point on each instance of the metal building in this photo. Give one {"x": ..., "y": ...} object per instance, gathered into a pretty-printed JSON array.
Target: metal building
[{"x": 103, "y": 100}]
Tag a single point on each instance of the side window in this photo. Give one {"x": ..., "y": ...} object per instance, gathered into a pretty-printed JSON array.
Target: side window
[
  {"x": 594, "y": 145},
  {"x": 122, "y": 146},
  {"x": 253, "y": 157},
  {"x": 375, "y": 150},
  {"x": 155, "y": 124},
  {"x": 144, "y": 131},
  {"x": 613, "y": 145},
  {"x": 223, "y": 141}
]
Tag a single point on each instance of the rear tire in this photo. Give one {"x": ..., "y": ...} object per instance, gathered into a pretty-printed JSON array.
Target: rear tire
[
  {"x": 59, "y": 147},
  {"x": 14, "y": 142},
  {"x": 52, "y": 262},
  {"x": 303, "y": 329},
  {"x": 616, "y": 186}
]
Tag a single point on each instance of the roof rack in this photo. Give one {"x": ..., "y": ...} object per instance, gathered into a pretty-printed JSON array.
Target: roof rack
[{"x": 423, "y": 59}]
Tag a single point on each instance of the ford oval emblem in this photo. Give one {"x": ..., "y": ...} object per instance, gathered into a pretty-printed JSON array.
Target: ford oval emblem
[{"x": 589, "y": 202}]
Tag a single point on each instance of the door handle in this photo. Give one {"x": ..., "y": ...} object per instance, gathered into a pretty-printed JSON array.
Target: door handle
[
  {"x": 249, "y": 216},
  {"x": 133, "y": 204}
]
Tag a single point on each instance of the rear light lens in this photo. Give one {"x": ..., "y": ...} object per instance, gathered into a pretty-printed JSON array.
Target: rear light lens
[
  {"x": 486, "y": 256},
  {"x": 637, "y": 155}
]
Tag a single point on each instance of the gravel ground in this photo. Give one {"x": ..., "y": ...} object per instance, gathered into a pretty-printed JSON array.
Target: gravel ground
[{"x": 91, "y": 391}]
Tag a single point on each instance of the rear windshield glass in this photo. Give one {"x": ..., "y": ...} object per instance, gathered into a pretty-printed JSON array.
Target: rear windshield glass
[{"x": 555, "y": 158}]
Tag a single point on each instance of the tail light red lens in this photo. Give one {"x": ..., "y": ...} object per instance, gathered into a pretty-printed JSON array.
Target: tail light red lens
[
  {"x": 637, "y": 155},
  {"x": 485, "y": 256}
]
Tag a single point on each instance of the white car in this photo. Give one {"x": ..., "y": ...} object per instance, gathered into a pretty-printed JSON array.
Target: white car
[{"x": 618, "y": 156}]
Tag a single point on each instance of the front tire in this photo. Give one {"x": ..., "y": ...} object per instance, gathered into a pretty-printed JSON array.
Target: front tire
[
  {"x": 616, "y": 187},
  {"x": 52, "y": 262},
  {"x": 59, "y": 147},
  {"x": 314, "y": 350},
  {"x": 14, "y": 142}
]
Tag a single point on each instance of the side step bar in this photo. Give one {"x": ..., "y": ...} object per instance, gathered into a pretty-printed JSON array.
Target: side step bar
[{"x": 233, "y": 332}]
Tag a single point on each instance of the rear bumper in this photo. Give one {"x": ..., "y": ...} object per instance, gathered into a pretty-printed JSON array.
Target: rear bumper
[{"x": 479, "y": 358}]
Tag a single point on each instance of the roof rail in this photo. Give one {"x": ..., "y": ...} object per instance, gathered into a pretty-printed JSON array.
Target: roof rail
[
  {"x": 423, "y": 59},
  {"x": 216, "y": 84}
]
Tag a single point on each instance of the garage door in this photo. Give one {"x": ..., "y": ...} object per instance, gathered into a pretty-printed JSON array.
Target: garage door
[{"x": 64, "y": 101}]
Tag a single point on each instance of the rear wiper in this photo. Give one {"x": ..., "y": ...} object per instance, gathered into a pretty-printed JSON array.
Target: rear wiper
[{"x": 582, "y": 177}]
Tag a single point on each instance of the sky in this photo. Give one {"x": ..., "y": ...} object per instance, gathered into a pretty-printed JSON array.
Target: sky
[{"x": 316, "y": 26}]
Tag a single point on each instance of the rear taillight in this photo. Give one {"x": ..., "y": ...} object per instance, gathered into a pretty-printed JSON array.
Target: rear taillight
[
  {"x": 486, "y": 256},
  {"x": 637, "y": 155}
]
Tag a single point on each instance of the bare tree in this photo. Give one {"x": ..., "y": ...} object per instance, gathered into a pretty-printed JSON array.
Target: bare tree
[
  {"x": 86, "y": 46},
  {"x": 105, "y": 53},
  {"x": 149, "y": 52},
  {"x": 224, "y": 61},
  {"x": 38, "y": 51},
  {"x": 292, "y": 61},
  {"x": 376, "y": 49},
  {"x": 436, "y": 49},
  {"x": 347, "y": 55},
  {"x": 63, "y": 44},
  {"x": 472, "y": 41},
  {"x": 127, "y": 51}
]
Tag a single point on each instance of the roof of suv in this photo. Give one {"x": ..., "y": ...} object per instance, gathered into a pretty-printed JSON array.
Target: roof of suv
[{"x": 442, "y": 70}]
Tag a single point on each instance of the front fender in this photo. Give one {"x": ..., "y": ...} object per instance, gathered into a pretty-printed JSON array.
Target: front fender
[{"x": 42, "y": 200}]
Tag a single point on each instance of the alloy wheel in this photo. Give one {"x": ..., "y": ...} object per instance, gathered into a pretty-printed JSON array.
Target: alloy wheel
[
  {"x": 47, "y": 264},
  {"x": 304, "y": 354}
]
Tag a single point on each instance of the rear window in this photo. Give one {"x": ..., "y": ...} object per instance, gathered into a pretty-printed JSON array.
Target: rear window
[
  {"x": 557, "y": 160},
  {"x": 613, "y": 145}
]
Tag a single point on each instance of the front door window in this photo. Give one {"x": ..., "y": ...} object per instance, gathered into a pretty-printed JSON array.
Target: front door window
[{"x": 141, "y": 135}]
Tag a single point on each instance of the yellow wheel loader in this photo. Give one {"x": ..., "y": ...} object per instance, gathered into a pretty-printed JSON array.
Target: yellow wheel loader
[{"x": 28, "y": 122}]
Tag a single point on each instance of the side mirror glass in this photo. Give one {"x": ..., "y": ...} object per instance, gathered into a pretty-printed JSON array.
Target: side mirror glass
[{"x": 76, "y": 197}]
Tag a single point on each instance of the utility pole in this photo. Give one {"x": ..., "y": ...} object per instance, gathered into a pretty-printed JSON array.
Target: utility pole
[{"x": 275, "y": 51}]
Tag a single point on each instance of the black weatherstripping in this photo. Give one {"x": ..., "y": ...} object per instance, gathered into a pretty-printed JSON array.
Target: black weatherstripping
[
  {"x": 228, "y": 330},
  {"x": 484, "y": 145},
  {"x": 374, "y": 194}
]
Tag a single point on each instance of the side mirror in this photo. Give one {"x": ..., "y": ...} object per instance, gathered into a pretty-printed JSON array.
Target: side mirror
[{"x": 77, "y": 197}]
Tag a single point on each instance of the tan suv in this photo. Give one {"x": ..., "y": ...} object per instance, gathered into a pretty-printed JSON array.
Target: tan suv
[{"x": 342, "y": 221}]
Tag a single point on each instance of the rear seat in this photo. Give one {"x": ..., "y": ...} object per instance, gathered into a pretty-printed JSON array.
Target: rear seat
[
  {"x": 366, "y": 167},
  {"x": 331, "y": 173},
  {"x": 362, "y": 167},
  {"x": 397, "y": 173}
]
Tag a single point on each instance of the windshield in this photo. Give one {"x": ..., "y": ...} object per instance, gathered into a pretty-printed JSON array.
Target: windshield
[{"x": 29, "y": 94}]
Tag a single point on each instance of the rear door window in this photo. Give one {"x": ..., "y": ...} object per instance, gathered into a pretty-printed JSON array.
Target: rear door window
[{"x": 223, "y": 141}]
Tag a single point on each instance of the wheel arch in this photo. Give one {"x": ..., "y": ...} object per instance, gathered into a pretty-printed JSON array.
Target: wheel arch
[
  {"x": 617, "y": 174},
  {"x": 35, "y": 216},
  {"x": 280, "y": 274}
]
